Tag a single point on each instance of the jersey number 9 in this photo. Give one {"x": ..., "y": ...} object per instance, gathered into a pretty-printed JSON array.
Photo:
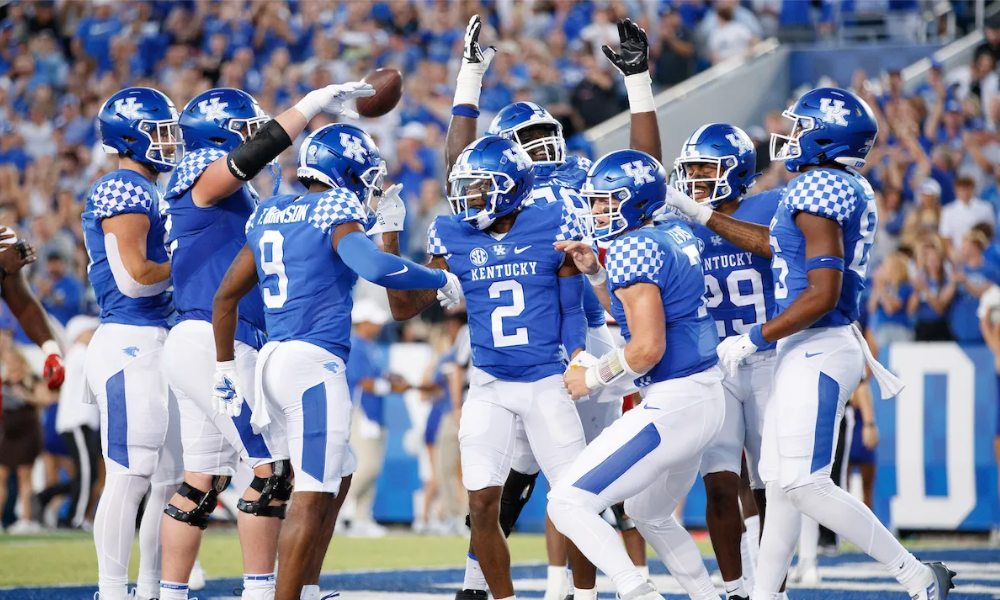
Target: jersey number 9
[{"x": 271, "y": 253}]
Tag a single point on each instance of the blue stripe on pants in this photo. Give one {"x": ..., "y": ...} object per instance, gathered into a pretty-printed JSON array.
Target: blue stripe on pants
[
  {"x": 826, "y": 422},
  {"x": 117, "y": 419},
  {"x": 253, "y": 442},
  {"x": 314, "y": 431},
  {"x": 621, "y": 460}
]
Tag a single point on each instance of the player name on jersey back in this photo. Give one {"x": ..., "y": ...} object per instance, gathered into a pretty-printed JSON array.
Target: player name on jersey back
[{"x": 290, "y": 214}]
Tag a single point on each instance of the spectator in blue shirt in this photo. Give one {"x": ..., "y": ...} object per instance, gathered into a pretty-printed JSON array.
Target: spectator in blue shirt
[
  {"x": 93, "y": 35},
  {"x": 369, "y": 384},
  {"x": 933, "y": 293},
  {"x": 888, "y": 301},
  {"x": 973, "y": 276},
  {"x": 60, "y": 291}
]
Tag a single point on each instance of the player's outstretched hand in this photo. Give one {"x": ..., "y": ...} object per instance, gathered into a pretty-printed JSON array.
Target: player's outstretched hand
[
  {"x": 332, "y": 99},
  {"x": 14, "y": 254},
  {"x": 450, "y": 294},
  {"x": 633, "y": 58},
  {"x": 686, "y": 207},
  {"x": 474, "y": 58},
  {"x": 391, "y": 212},
  {"x": 582, "y": 254},
  {"x": 227, "y": 395},
  {"x": 737, "y": 348},
  {"x": 54, "y": 372}
]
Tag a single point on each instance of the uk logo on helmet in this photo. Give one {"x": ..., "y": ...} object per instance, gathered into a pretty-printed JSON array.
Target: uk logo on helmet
[
  {"x": 742, "y": 144},
  {"x": 128, "y": 108},
  {"x": 639, "y": 172},
  {"x": 213, "y": 109},
  {"x": 353, "y": 148},
  {"x": 520, "y": 159},
  {"x": 833, "y": 111}
]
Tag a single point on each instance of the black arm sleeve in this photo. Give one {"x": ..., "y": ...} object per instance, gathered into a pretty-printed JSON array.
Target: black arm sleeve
[{"x": 250, "y": 157}]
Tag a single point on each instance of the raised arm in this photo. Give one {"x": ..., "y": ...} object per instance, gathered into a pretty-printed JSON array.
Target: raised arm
[
  {"x": 465, "y": 109},
  {"x": 224, "y": 177},
  {"x": 632, "y": 61},
  {"x": 240, "y": 279},
  {"x": 751, "y": 237}
]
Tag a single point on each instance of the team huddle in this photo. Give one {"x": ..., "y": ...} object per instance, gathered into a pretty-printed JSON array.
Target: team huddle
[{"x": 737, "y": 314}]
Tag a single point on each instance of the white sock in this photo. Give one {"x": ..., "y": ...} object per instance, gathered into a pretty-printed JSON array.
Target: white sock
[
  {"x": 556, "y": 582},
  {"x": 257, "y": 586},
  {"x": 753, "y": 538},
  {"x": 644, "y": 571},
  {"x": 777, "y": 544},
  {"x": 677, "y": 550},
  {"x": 847, "y": 516},
  {"x": 747, "y": 561},
  {"x": 474, "y": 578},
  {"x": 150, "y": 553},
  {"x": 170, "y": 590},
  {"x": 735, "y": 588},
  {"x": 309, "y": 592},
  {"x": 579, "y": 594},
  {"x": 114, "y": 530}
]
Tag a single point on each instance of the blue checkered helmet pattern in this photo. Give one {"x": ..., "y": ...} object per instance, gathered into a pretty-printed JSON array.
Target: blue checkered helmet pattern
[
  {"x": 494, "y": 170},
  {"x": 335, "y": 207},
  {"x": 632, "y": 259},
  {"x": 828, "y": 124},
  {"x": 116, "y": 197},
  {"x": 221, "y": 118},
  {"x": 726, "y": 148},
  {"x": 633, "y": 179},
  {"x": 514, "y": 119},
  {"x": 823, "y": 192},
  {"x": 342, "y": 155},
  {"x": 140, "y": 123}
]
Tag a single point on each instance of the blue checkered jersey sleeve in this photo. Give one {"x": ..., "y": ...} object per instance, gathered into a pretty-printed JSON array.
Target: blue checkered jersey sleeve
[
  {"x": 823, "y": 192},
  {"x": 634, "y": 259},
  {"x": 115, "y": 197},
  {"x": 336, "y": 207},
  {"x": 192, "y": 166},
  {"x": 435, "y": 243},
  {"x": 570, "y": 227}
]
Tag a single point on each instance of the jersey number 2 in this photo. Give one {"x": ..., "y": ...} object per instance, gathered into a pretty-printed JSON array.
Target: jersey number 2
[
  {"x": 271, "y": 253},
  {"x": 520, "y": 335}
]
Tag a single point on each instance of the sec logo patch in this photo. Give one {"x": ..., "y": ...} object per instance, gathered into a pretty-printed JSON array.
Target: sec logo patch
[{"x": 478, "y": 257}]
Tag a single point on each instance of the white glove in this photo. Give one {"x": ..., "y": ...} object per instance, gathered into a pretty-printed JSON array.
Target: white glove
[
  {"x": 736, "y": 349},
  {"x": 686, "y": 207},
  {"x": 332, "y": 98},
  {"x": 475, "y": 62},
  {"x": 227, "y": 395},
  {"x": 583, "y": 360},
  {"x": 391, "y": 212},
  {"x": 450, "y": 294}
]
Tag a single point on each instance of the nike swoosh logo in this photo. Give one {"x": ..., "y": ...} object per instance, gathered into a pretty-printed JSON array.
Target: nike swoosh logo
[
  {"x": 812, "y": 354},
  {"x": 648, "y": 407},
  {"x": 520, "y": 250},
  {"x": 399, "y": 272}
]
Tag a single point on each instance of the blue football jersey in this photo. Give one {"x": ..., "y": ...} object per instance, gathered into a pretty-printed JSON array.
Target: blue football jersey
[
  {"x": 739, "y": 288},
  {"x": 845, "y": 197},
  {"x": 117, "y": 193},
  {"x": 666, "y": 256},
  {"x": 204, "y": 242},
  {"x": 511, "y": 288},
  {"x": 306, "y": 286},
  {"x": 562, "y": 183}
]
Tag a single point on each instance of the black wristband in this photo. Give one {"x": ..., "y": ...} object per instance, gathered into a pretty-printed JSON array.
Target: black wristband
[{"x": 250, "y": 157}]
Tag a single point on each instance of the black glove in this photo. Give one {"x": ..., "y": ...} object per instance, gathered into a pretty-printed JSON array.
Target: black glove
[{"x": 634, "y": 55}]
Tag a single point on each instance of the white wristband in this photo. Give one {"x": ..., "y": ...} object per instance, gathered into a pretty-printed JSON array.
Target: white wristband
[
  {"x": 50, "y": 347},
  {"x": 592, "y": 380},
  {"x": 468, "y": 86},
  {"x": 704, "y": 214},
  {"x": 310, "y": 105},
  {"x": 640, "y": 92},
  {"x": 599, "y": 277}
]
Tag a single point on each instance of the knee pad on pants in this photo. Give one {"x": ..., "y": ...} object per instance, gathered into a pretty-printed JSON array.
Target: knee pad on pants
[{"x": 803, "y": 497}]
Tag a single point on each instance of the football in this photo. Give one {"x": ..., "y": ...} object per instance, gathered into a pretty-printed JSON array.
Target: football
[{"x": 388, "y": 84}]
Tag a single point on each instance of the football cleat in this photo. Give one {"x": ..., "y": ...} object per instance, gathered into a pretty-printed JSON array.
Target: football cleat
[
  {"x": 471, "y": 595},
  {"x": 942, "y": 583}
]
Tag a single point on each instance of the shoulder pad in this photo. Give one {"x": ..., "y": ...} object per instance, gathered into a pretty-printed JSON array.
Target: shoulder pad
[
  {"x": 570, "y": 227},
  {"x": 823, "y": 192},
  {"x": 334, "y": 207},
  {"x": 633, "y": 257},
  {"x": 117, "y": 195},
  {"x": 441, "y": 231}
]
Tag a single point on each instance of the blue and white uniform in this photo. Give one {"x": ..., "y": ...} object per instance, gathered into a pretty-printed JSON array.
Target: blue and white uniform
[
  {"x": 818, "y": 368},
  {"x": 511, "y": 286},
  {"x": 301, "y": 377},
  {"x": 204, "y": 242},
  {"x": 739, "y": 291},
  {"x": 124, "y": 369}
]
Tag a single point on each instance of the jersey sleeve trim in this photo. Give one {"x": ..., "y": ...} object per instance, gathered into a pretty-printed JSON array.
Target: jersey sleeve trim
[
  {"x": 435, "y": 245},
  {"x": 633, "y": 259},
  {"x": 191, "y": 168},
  {"x": 570, "y": 227},
  {"x": 115, "y": 197},
  {"x": 823, "y": 193},
  {"x": 336, "y": 207}
]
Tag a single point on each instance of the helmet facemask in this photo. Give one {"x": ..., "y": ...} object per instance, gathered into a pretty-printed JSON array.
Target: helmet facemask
[
  {"x": 692, "y": 181},
  {"x": 542, "y": 140},
  {"x": 605, "y": 219},
  {"x": 166, "y": 143},
  {"x": 245, "y": 128},
  {"x": 373, "y": 180},
  {"x": 787, "y": 147},
  {"x": 474, "y": 194}
]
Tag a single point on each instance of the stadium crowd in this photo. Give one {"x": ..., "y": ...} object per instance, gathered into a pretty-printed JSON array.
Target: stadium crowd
[{"x": 934, "y": 168}]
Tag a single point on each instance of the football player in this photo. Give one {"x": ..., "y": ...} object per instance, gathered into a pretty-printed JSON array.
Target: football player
[
  {"x": 524, "y": 303},
  {"x": 306, "y": 252},
  {"x": 228, "y": 139},
  {"x": 717, "y": 166},
  {"x": 649, "y": 458},
  {"x": 819, "y": 243},
  {"x": 125, "y": 234}
]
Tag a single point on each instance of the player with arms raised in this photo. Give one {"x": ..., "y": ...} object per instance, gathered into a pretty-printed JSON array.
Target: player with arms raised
[
  {"x": 125, "y": 235},
  {"x": 819, "y": 241},
  {"x": 716, "y": 167},
  {"x": 650, "y": 457},
  {"x": 306, "y": 252},
  {"x": 228, "y": 140}
]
